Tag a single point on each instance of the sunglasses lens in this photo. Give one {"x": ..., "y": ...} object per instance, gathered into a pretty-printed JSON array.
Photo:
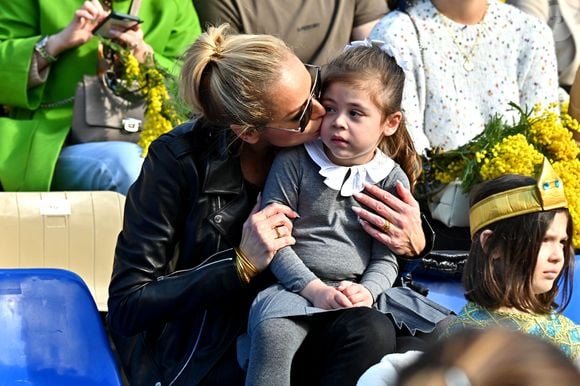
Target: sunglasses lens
[
  {"x": 317, "y": 88},
  {"x": 305, "y": 118},
  {"x": 314, "y": 93}
]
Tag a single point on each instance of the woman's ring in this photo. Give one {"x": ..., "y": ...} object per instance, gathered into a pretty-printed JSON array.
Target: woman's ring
[
  {"x": 278, "y": 232},
  {"x": 386, "y": 226}
]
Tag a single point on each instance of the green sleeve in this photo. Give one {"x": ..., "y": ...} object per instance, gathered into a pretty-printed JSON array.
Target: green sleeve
[
  {"x": 18, "y": 35},
  {"x": 184, "y": 30}
]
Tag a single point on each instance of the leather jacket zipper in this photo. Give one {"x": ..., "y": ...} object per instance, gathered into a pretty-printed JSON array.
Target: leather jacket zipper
[
  {"x": 197, "y": 268},
  {"x": 192, "y": 351},
  {"x": 219, "y": 235}
]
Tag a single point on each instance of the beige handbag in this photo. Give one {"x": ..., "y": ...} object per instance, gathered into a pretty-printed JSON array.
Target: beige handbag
[
  {"x": 71, "y": 230},
  {"x": 101, "y": 115}
]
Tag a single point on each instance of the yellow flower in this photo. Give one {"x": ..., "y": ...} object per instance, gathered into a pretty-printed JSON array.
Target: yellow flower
[
  {"x": 148, "y": 81},
  {"x": 512, "y": 155},
  {"x": 517, "y": 148},
  {"x": 132, "y": 70},
  {"x": 567, "y": 121},
  {"x": 453, "y": 172},
  {"x": 548, "y": 133}
]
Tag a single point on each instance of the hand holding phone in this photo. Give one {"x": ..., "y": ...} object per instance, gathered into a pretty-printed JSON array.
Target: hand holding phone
[{"x": 117, "y": 21}]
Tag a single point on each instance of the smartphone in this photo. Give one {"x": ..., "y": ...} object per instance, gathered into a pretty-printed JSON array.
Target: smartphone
[{"x": 118, "y": 21}]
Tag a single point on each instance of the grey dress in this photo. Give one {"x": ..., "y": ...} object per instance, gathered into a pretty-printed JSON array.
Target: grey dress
[{"x": 330, "y": 243}]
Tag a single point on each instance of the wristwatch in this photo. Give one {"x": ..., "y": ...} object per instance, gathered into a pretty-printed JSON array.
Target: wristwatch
[{"x": 40, "y": 47}]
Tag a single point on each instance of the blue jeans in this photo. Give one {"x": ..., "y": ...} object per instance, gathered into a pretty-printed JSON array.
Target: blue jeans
[{"x": 98, "y": 166}]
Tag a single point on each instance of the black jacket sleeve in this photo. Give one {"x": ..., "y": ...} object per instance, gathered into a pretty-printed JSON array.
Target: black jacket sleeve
[{"x": 144, "y": 291}]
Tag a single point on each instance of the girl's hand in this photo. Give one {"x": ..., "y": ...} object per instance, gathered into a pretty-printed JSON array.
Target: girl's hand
[
  {"x": 357, "y": 294},
  {"x": 265, "y": 231},
  {"x": 79, "y": 30},
  {"x": 392, "y": 221},
  {"x": 324, "y": 296},
  {"x": 133, "y": 39}
]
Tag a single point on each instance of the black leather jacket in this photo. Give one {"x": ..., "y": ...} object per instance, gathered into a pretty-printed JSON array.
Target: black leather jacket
[{"x": 176, "y": 303}]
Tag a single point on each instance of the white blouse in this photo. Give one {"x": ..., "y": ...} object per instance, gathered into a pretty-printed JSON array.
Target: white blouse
[
  {"x": 349, "y": 179},
  {"x": 447, "y": 101}
]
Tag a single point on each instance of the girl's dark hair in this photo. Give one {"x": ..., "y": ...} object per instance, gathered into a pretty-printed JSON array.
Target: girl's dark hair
[
  {"x": 379, "y": 75},
  {"x": 501, "y": 274}
]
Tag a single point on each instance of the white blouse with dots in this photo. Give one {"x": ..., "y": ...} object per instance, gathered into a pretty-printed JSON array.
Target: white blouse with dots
[{"x": 446, "y": 101}]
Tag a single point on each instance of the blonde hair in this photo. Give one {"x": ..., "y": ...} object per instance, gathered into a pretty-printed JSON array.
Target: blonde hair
[{"x": 228, "y": 78}]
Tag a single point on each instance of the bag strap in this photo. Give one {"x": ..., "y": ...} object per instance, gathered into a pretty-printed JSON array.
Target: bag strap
[
  {"x": 135, "y": 5},
  {"x": 421, "y": 48},
  {"x": 418, "y": 35}
]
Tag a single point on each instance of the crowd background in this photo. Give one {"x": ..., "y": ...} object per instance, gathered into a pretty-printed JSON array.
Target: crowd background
[{"x": 458, "y": 56}]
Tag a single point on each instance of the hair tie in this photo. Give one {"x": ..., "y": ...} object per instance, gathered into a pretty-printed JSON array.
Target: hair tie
[
  {"x": 385, "y": 47},
  {"x": 364, "y": 43},
  {"x": 217, "y": 52}
]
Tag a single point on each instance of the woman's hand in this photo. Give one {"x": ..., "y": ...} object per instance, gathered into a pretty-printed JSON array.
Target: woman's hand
[
  {"x": 324, "y": 296},
  {"x": 80, "y": 29},
  {"x": 357, "y": 294},
  {"x": 392, "y": 221},
  {"x": 265, "y": 231},
  {"x": 133, "y": 39}
]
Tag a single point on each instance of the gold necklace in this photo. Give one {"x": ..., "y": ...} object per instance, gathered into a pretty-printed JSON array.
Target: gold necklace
[{"x": 467, "y": 56}]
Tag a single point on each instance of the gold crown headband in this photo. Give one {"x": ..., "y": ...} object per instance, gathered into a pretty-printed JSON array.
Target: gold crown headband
[{"x": 547, "y": 194}]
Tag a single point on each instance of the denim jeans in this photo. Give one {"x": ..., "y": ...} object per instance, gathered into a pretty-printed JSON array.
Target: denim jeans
[{"x": 98, "y": 166}]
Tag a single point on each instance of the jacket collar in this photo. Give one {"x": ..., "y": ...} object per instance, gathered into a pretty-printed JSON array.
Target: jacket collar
[{"x": 223, "y": 174}]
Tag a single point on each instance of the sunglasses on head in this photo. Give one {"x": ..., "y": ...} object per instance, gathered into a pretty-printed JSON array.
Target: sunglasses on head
[{"x": 315, "y": 92}]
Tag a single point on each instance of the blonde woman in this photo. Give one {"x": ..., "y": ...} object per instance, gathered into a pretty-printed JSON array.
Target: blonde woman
[{"x": 194, "y": 248}]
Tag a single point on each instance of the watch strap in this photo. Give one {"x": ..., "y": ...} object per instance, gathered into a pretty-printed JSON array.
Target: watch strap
[{"x": 40, "y": 47}]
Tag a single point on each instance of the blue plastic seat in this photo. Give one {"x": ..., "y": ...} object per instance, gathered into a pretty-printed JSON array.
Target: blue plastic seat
[{"x": 51, "y": 331}]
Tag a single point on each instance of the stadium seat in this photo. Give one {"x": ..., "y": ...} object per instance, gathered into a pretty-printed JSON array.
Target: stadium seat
[
  {"x": 52, "y": 332},
  {"x": 76, "y": 231}
]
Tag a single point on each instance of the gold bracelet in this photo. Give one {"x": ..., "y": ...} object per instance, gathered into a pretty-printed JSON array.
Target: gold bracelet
[{"x": 246, "y": 270}]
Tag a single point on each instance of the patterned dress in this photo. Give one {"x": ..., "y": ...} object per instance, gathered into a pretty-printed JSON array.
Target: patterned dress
[
  {"x": 463, "y": 75},
  {"x": 554, "y": 327}
]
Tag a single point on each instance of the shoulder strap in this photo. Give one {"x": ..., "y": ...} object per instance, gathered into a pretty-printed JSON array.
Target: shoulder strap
[
  {"x": 135, "y": 5},
  {"x": 420, "y": 48},
  {"x": 416, "y": 32}
]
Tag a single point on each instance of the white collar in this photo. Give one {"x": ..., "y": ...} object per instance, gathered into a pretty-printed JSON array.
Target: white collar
[{"x": 372, "y": 172}]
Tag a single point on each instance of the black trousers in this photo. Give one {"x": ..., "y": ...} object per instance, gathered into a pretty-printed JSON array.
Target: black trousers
[{"x": 340, "y": 346}]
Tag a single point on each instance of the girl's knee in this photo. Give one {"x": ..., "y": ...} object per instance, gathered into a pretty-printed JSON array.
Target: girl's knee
[{"x": 278, "y": 331}]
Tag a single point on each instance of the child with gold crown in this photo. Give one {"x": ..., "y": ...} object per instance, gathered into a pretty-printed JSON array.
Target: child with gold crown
[{"x": 520, "y": 257}]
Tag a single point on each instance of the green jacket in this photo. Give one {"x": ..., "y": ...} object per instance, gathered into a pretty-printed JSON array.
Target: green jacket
[{"x": 32, "y": 137}]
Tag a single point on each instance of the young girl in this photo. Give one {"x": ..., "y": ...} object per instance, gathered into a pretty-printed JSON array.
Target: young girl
[
  {"x": 521, "y": 253},
  {"x": 334, "y": 263}
]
